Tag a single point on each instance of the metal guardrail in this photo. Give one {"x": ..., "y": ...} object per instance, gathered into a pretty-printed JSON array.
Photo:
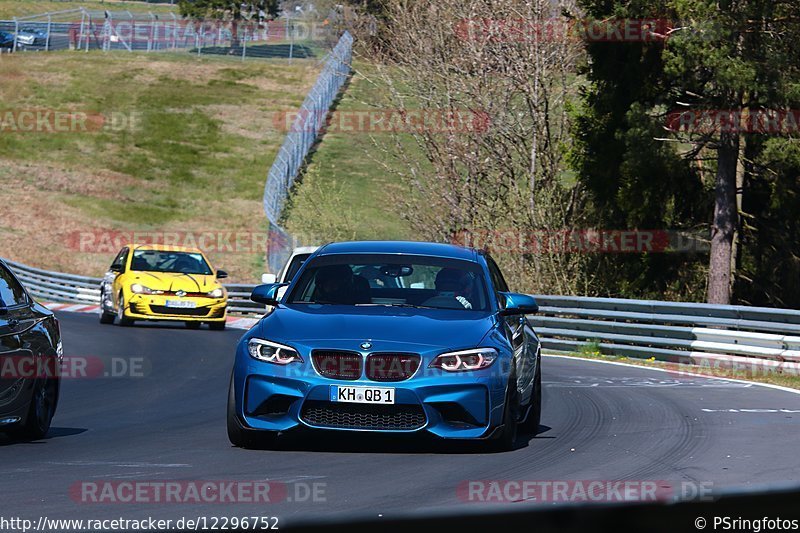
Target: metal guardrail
[{"x": 677, "y": 332}]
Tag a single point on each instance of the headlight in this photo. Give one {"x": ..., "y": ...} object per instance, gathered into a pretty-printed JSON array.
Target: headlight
[
  {"x": 216, "y": 293},
  {"x": 272, "y": 352},
  {"x": 138, "y": 288},
  {"x": 476, "y": 359}
]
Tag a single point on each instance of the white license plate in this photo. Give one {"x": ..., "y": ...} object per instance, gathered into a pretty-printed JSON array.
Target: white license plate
[
  {"x": 362, "y": 394},
  {"x": 181, "y": 304}
]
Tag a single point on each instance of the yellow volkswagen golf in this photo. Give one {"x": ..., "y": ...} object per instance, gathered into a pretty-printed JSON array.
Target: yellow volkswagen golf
[{"x": 151, "y": 282}]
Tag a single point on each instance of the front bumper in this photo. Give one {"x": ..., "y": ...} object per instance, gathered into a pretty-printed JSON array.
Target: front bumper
[
  {"x": 467, "y": 405},
  {"x": 154, "y": 307}
]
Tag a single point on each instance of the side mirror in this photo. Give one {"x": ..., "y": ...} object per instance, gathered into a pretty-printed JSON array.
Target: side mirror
[
  {"x": 268, "y": 279},
  {"x": 267, "y": 294},
  {"x": 221, "y": 274},
  {"x": 115, "y": 268},
  {"x": 519, "y": 304}
]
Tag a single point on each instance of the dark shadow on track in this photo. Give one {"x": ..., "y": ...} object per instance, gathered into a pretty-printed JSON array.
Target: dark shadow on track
[{"x": 54, "y": 433}]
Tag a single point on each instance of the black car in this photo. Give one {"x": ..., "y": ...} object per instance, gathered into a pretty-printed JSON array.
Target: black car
[
  {"x": 30, "y": 359},
  {"x": 6, "y": 40}
]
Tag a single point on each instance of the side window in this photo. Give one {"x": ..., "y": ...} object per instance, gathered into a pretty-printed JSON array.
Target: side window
[
  {"x": 499, "y": 283},
  {"x": 121, "y": 259},
  {"x": 11, "y": 292}
]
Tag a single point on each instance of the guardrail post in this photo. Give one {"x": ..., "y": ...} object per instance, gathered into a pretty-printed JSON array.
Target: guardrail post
[
  {"x": 244, "y": 45},
  {"x": 47, "y": 37},
  {"x": 16, "y": 33}
]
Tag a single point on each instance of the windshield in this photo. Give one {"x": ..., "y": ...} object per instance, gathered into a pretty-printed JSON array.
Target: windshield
[
  {"x": 391, "y": 280},
  {"x": 174, "y": 262}
]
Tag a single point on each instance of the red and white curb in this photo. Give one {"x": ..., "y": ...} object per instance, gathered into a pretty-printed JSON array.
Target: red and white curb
[{"x": 231, "y": 321}]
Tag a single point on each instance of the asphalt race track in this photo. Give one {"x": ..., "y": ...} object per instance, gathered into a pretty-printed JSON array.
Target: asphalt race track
[{"x": 166, "y": 422}]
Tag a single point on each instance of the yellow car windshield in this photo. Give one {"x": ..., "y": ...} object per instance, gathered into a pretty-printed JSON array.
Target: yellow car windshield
[{"x": 171, "y": 262}]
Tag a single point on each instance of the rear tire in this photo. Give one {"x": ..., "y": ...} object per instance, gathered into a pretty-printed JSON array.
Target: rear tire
[
  {"x": 105, "y": 316},
  {"x": 217, "y": 326},
  {"x": 531, "y": 425},
  {"x": 242, "y": 437},
  {"x": 40, "y": 413}
]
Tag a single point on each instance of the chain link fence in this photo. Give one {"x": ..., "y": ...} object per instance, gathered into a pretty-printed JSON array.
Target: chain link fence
[
  {"x": 289, "y": 37},
  {"x": 303, "y": 132}
]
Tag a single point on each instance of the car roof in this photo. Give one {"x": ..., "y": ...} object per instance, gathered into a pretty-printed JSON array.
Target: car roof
[
  {"x": 434, "y": 249},
  {"x": 164, "y": 248},
  {"x": 305, "y": 250}
]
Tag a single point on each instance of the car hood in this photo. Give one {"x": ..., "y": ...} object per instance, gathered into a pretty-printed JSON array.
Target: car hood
[
  {"x": 168, "y": 281},
  {"x": 387, "y": 328}
]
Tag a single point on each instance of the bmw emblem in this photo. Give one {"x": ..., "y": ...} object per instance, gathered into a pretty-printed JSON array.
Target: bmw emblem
[
  {"x": 180, "y": 294},
  {"x": 366, "y": 345}
]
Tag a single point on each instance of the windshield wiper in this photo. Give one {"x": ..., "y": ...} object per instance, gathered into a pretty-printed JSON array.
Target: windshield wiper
[{"x": 397, "y": 305}]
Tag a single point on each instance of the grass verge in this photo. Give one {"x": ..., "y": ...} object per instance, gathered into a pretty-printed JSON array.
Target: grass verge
[{"x": 185, "y": 145}]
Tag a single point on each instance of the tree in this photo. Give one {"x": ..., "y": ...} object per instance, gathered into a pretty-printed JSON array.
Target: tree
[
  {"x": 720, "y": 58},
  {"x": 230, "y": 10}
]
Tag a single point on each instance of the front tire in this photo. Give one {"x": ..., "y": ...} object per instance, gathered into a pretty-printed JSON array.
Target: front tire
[
  {"x": 121, "y": 318},
  {"x": 217, "y": 326},
  {"x": 507, "y": 438},
  {"x": 192, "y": 325},
  {"x": 40, "y": 413},
  {"x": 240, "y": 436}
]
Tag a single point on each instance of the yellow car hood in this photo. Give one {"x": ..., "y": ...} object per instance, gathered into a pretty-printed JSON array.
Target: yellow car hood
[{"x": 168, "y": 281}]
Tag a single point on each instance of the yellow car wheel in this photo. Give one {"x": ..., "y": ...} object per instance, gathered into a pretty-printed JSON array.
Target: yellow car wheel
[{"x": 122, "y": 320}]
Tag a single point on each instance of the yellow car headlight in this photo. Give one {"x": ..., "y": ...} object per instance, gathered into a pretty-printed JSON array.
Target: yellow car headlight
[
  {"x": 216, "y": 293},
  {"x": 138, "y": 288}
]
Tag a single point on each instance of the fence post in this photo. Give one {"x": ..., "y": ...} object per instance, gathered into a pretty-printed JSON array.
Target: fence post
[
  {"x": 174, "y": 31},
  {"x": 151, "y": 35},
  {"x": 244, "y": 45},
  {"x": 89, "y": 32},
  {"x": 79, "y": 44},
  {"x": 291, "y": 39},
  {"x": 16, "y": 33},
  {"x": 47, "y": 37}
]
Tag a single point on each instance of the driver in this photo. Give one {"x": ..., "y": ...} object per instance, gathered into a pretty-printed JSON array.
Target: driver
[
  {"x": 334, "y": 284},
  {"x": 458, "y": 282}
]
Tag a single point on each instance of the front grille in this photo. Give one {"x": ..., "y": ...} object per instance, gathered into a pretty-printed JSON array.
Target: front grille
[
  {"x": 337, "y": 364},
  {"x": 178, "y": 311},
  {"x": 398, "y": 417},
  {"x": 186, "y": 295},
  {"x": 392, "y": 366}
]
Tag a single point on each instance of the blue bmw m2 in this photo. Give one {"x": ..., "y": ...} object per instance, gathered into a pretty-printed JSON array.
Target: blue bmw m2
[{"x": 391, "y": 337}]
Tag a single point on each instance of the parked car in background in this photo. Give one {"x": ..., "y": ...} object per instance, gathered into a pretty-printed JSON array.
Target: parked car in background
[
  {"x": 32, "y": 37},
  {"x": 31, "y": 353},
  {"x": 6, "y": 40},
  {"x": 292, "y": 266}
]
